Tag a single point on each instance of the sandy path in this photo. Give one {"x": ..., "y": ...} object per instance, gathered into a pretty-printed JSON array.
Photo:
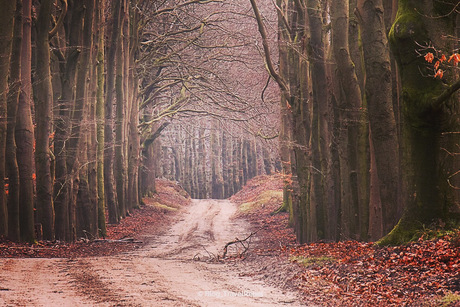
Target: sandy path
[{"x": 170, "y": 271}]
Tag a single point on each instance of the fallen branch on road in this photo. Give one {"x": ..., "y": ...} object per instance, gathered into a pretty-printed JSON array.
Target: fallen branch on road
[{"x": 244, "y": 242}]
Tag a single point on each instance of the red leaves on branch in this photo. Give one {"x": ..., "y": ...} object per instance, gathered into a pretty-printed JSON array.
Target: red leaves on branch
[
  {"x": 429, "y": 57},
  {"x": 439, "y": 73},
  {"x": 454, "y": 59}
]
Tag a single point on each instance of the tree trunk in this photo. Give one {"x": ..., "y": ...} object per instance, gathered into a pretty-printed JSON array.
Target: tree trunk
[
  {"x": 202, "y": 179},
  {"x": 380, "y": 107},
  {"x": 225, "y": 164},
  {"x": 229, "y": 168},
  {"x": 13, "y": 101},
  {"x": 43, "y": 103},
  {"x": 325, "y": 203},
  {"x": 298, "y": 102},
  {"x": 25, "y": 132},
  {"x": 6, "y": 33},
  {"x": 77, "y": 146},
  {"x": 134, "y": 136},
  {"x": 217, "y": 187},
  {"x": 108, "y": 128},
  {"x": 363, "y": 155},
  {"x": 350, "y": 114},
  {"x": 62, "y": 182},
  {"x": 285, "y": 138},
  {"x": 100, "y": 118},
  {"x": 120, "y": 167},
  {"x": 430, "y": 118},
  {"x": 236, "y": 164}
]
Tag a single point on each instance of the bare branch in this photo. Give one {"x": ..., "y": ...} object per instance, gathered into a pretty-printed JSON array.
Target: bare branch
[
  {"x": 281, "y": 82},
  {"x": 440, "y": 100},
  {"x": 60, "y": 20}
]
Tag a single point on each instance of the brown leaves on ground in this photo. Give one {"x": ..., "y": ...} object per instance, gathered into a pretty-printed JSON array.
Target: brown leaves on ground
[
  {"x": 418, "y": 272},
  {"x": 149, "y": 216},
  {"x": 350, "y": 273}
]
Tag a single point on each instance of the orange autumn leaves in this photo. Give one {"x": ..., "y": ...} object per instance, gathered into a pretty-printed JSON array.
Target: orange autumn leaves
[{"x": 454, "y": 59}]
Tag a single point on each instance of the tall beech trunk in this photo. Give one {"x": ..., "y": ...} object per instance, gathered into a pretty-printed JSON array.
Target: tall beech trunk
[
  {"x": 77, "y": 145},
  {"x": 285, "y": 138},
  {"x": 108, "y": 128},
  {"x": 134, "y": 136},
  {"x": 236, "y": 164},
  {"x": 244, "y": 160},
  {"x": 380, "y": 108},
  {"x": 350, "y": 105},
  {"x": 120, "y": 166},
  {"x": 431, "y": 117},
  {"x": 68, "y": 67},
  {"x": 294, "y": 85},
  {"x": 321, "y": 152},
  {"x": 217, "y": 187},
  {"x": 43, "y": 103},
  {"x": 100, "y": 118},
  {"x": 363, "y": 157},
  {"x": 6, "y": 33},
  {"x": 202, "y": 179},
  {"x": 225, "y": 164},
  {"x": 92, "y": 144},
  {"x": 13, "y": 101},
  {"x": 229, "y": 168},
  {"x": 25, "y": 131},
  {"x": 193, "y": 164},
  {"x": 186, "y": 180},
  {"x": 134, "y": 152}
]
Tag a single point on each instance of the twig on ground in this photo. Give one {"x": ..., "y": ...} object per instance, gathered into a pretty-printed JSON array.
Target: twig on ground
[
  {"x": 242, "y": 242},
  {"x": 211, "y": 256}
]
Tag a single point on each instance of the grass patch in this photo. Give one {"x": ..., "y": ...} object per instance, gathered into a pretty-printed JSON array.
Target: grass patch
[
  {"x": 307, "y": 261},
  {"x": 449, "y": 299},
  {"x": 163, "y": 207},
  {"x": 262, "y": 199}
]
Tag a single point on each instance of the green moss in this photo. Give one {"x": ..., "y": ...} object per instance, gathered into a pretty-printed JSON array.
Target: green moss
[
  {"x": 163, "y": 207},
  {"x": 307, "y": 261},
  {"x": 406, "y": 36},
  {"x": 449, "y": 299},
  {"x": 260, "y": 200},
  {"x": 405, "y": 231}
]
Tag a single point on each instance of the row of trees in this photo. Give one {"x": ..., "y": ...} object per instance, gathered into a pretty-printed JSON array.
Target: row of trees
[
  {"x": 63, "y": 147},
  {"x": 366, "y": 147},
  {"x": 212, "y": 160},
  {"x": 87, "y": 88}
]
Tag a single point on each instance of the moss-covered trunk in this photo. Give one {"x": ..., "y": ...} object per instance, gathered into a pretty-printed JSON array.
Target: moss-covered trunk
[{"x": 431, "y": 120}]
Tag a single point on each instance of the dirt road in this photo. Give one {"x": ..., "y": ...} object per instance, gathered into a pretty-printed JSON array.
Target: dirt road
[{"x": 173, "y": 269}]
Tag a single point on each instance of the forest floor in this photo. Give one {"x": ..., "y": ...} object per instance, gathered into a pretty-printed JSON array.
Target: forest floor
[{"x": 171, "y": 253}]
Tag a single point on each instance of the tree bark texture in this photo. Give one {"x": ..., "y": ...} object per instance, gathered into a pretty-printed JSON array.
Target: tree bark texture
[
  {"x": 25, "y": 131},
  {"x": 11, "y": 149},
  {"x": 380, "y": 108},
  {"x": 6, "y": 34},
  {"x": 43, "y": 103},
  {"x": 109, "y": 103},
  {"x": 430, "y": 117}
]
